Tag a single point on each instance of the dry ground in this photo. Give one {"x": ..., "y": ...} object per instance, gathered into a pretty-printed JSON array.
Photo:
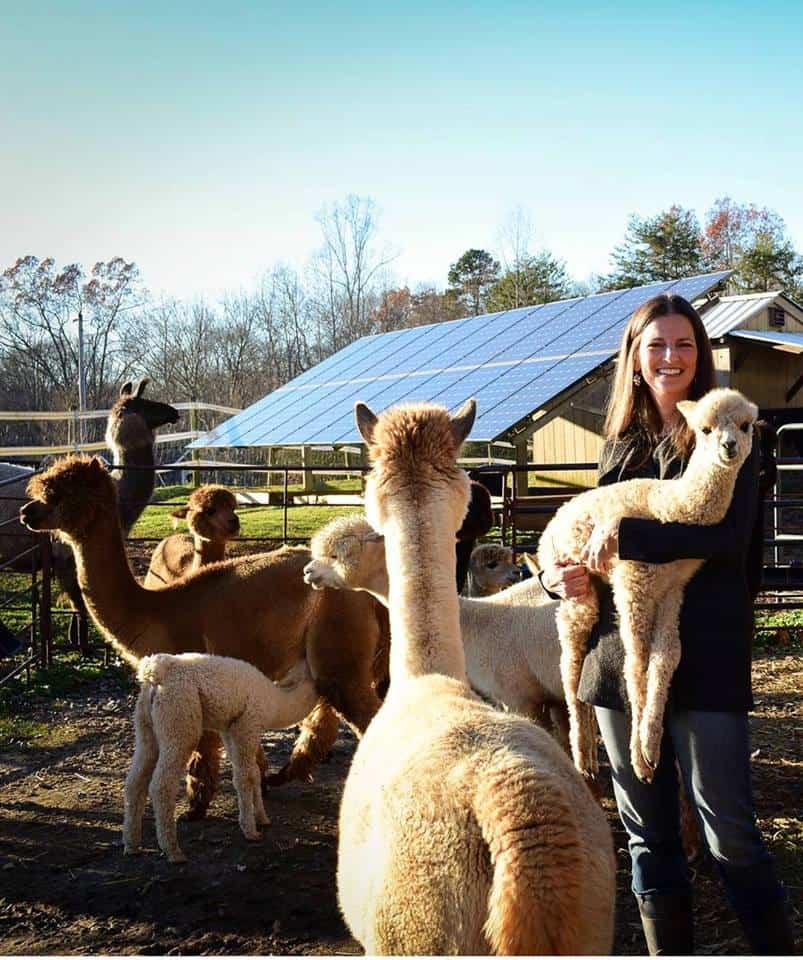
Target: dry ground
[{"x": 65, "y": 887}]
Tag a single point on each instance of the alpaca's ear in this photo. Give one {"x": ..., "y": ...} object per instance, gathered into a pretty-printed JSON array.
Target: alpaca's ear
[
  {"x": 139, "y": 389},
  {"x": 180, "y": 513},
  {"x": 753, "y": 411},
  {"x": 463, "y": 420},
  {"x": 125, "y": 390},
  {"x": 686, "y": 408},
  {"x": 531, "y": 564},
  {"x": 366, "y": 421},
  {"x": 96, "y": 466},
  {"x": 373, "y": 537}
]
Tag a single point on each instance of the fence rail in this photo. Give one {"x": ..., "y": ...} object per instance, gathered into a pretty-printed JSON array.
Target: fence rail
[{"x": 535, "y": 509}]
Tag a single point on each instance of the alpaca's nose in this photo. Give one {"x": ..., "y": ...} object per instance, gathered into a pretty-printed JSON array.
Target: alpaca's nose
[{"x": 730, "y": 448}]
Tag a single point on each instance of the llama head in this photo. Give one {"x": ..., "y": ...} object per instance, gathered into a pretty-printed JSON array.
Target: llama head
[
  {"x": 348, "y": 554},
  {"x": 210, "y": 513},
  {"x": 413, "y": 449},
  {"x": 723, "y": 422},
  {"x": 133, "y": 419},
  {"x": 72, "y": 498},
  {"x": 492, "y": 568}
]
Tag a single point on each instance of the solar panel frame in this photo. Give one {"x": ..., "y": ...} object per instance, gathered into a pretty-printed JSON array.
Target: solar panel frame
[{"x": 508, "y": 360}]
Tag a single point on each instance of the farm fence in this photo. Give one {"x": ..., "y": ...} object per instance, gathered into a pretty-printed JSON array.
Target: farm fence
[{"x": 519, "y": 520}]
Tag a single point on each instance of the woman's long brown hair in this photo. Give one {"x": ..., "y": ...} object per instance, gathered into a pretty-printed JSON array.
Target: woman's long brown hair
[{"x": 632, "y": 412}]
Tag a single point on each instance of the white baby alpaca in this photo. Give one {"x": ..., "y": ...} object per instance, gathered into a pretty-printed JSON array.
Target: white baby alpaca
[
  {"x": 182, "y": 696},
  {"x": 647, "y": 596}
]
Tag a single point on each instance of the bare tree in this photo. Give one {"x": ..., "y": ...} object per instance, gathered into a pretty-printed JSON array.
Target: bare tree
[{"x": 345, "y": 272}]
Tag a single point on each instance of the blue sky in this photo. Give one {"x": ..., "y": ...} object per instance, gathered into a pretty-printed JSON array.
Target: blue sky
[{"x": 201, "y": 142}]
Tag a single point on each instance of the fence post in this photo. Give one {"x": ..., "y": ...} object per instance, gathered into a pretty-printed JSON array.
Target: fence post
[
  {"x": 284, "y": 507},
  {"x": 196, "y": 454},
  {"x": 45, "y": 620}
]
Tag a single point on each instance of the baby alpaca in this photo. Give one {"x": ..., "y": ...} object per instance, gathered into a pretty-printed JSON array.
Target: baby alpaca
[
  {"x": 647, "y": 596},
  {"x": 490, "y": 570},
  {"x": 183, "y": 695},
  {"x": 210, "y": 515}
]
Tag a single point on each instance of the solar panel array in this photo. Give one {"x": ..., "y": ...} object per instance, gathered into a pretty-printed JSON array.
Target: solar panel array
[{"x": 513, "y": 362}]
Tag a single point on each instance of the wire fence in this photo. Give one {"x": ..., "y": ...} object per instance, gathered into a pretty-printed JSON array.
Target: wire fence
[{"x": 28, "y": 585}]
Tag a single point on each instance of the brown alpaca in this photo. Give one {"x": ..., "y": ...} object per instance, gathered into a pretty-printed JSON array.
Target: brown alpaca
[
  {"x": 255, "y": 608},
  {"x": 130, "y": 436},
  {"x": 211, "y": 516}
]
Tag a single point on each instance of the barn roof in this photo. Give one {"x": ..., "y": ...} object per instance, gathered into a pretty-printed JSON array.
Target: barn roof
[
  {"x": 514, "y": 362},
  {"x": 731, "y": 312}
]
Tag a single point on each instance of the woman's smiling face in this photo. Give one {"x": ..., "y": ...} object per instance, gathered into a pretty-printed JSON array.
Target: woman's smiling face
[{"x": 667, "y": 357}]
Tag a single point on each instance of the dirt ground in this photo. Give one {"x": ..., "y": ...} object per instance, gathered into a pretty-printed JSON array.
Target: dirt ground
[{"x": 66, "y": 888}]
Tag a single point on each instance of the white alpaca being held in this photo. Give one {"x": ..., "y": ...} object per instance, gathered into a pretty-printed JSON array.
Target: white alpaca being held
[
  {"x": 183, "y": 695},
  {"x": 647, "y": 596}
]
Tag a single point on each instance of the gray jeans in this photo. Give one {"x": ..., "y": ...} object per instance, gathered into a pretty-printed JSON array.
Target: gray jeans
[{"x": 712, "y": 750}]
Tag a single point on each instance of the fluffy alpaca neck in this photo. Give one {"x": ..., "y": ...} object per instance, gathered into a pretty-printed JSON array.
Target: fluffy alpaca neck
[
  {"x": 134, "y": 486},
  {"x": 207, "y": 551},
  {"x": 116, "y": 602},
  {"x": 703, "y": 494},
  {"x": 422, "y": 595},
  {"x": 287, "y": 705}
]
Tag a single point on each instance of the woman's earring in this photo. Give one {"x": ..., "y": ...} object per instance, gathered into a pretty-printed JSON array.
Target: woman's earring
[{"x": 637, "y": 379}]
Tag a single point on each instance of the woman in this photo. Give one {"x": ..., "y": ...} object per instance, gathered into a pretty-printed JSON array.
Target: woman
[{"x": 665, "y": 357}]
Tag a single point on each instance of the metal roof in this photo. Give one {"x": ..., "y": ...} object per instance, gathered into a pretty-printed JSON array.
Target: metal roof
[
  {"x": 732, "y": 312},
  {"x": 789, "y": 342},
  {"x": 514, "y": 363}
]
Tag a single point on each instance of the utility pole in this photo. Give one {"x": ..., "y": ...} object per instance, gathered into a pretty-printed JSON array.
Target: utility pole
[{"x": 81, "y": 376}]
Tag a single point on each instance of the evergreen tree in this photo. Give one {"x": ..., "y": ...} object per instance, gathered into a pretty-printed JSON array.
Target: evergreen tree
[
  {"x": 471, "y": 277},
  {"x": 540, "y": 278},
  {"x": 663, "y": 247}
]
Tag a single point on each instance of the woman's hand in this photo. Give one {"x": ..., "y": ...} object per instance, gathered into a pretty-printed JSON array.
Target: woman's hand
[
  {"x": 602, "y": 547},
  {"x": 568, "y": 580}
]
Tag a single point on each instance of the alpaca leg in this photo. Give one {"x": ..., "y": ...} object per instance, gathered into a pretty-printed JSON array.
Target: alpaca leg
[
  {"x": 241, "y": 748},
  {"x": 575, "y": 620},
  {"x": 635, "y": 603},
  {"x": 664, "y": 658},
  {"x": 318, "y": 734},
  {"x": 203, "y": 773},
  {"x": 146, "y": 754},
  {"x": 173, "y": 757}
]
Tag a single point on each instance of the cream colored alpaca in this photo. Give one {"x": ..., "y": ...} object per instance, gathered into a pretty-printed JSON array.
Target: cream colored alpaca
[
  {"x": 647, "y": 596},
  {"x": 510, "y": 639},
  {"x": 462, "y": 829},
  {"x": 490, "y": 570},
  {"x": 212, "y": 519},
  {"x": 184, "y": 695}
]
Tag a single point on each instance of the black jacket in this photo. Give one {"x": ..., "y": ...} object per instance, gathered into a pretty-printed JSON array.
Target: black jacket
[{"x": 716, "y": 619}]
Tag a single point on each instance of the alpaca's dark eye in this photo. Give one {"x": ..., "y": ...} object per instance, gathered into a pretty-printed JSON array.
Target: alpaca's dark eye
[
  {"x": 706, "y": 430},
  {"x": 493, "y": 565},
  {"x": 210, "y": 511},
  {"x": 745, "y": 426}
]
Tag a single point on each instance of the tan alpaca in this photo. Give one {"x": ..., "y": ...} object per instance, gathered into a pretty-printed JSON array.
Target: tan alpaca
[
  {"x": 184, "y": 695},
  {"x": 255, "y": 608},
  {"x": 212, "y": 520},
  {"x": 491, "y": 569},
  {"x": 647, "y": 596},
  {"x": 510, "y": 639},
  {"x": 463, "y": 829}
]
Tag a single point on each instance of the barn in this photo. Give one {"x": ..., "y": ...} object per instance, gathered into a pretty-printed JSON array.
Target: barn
[{"x": 540, "y": 375}]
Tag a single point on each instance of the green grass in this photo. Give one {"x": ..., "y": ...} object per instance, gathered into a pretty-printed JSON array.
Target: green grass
[
  {"x": 70, "y": 676},
  {"x": 263, "y": 522}
]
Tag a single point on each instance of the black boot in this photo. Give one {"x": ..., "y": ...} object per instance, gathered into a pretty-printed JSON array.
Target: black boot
[
  {"x": 768, "y": 929},
  {"x": 667, "y": 922}
]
